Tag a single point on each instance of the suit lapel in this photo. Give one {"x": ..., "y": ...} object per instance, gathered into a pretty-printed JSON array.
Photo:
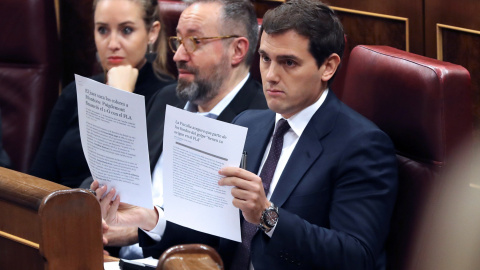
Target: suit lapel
[
  {"x": 259, "y": 135},
  {"x": 308, "y": 149},
  {"x": 241, "y": 101}
]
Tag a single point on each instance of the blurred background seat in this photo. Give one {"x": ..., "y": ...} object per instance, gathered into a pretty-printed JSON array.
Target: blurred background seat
[
  {"x": 424, "y": 105},
  {"x": 29, "y": 75},
  {"x": 170, "y": 11}
]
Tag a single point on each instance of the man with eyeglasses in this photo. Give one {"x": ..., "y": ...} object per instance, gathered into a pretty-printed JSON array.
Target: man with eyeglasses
[{"x": 214, "y": 48}]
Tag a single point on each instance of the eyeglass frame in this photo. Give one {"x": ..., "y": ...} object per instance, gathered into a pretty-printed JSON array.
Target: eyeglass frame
[{"x": 194, "y": 41}]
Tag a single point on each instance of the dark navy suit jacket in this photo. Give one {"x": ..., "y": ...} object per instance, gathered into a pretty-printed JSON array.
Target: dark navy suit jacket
[{"x": 335, "y": 195}]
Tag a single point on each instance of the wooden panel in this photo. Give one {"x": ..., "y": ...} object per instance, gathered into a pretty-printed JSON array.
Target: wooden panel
[
  {"x": 13, "y": 254},
  {"x": 367, "y": 28},
  {"x": 460, "y": 13},
  {"x": 28, "y": 226},
  {"x": 411, "y": 10},
  {"x": 461, "y": 46}
]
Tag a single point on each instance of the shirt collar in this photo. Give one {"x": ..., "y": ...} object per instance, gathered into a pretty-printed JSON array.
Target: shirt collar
[
  {"x": 218, "y": 109},
  {"x": 299, "y": 121}
]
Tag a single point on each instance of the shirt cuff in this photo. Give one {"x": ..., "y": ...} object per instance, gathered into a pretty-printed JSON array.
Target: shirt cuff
[
  {"x": 157, "y": 232},
  {"x": 270, "y": 233}
]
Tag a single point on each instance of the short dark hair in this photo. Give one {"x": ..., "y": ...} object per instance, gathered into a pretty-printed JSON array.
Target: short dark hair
[
  {"x": 312, "y": 19},
  {"x": 238, "y": 18}
]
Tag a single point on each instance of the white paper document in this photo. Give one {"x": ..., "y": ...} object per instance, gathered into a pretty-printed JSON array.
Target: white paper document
[
  {"x": 195, "y": 148},
  {"x": 113, "y": 131},
  {"x": 142, "y": 263}
]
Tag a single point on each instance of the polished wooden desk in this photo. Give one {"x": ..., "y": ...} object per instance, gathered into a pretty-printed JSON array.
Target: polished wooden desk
[{"x": 44, "y": 225}]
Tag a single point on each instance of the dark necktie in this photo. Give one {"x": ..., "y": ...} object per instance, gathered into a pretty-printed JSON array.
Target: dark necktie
[{"x": 242, "y": 257}]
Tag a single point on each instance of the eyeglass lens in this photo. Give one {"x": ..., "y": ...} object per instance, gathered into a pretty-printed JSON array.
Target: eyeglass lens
[{"x": 187, "y": 43}]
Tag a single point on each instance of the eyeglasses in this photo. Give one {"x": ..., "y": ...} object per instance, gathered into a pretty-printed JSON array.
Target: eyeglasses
[{"x": 190, "y": 43}]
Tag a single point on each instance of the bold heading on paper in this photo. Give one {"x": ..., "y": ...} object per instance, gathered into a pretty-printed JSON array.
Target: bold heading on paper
[
  {"x": 194, "y": 133},
  {"x": 105, "y": 104}
]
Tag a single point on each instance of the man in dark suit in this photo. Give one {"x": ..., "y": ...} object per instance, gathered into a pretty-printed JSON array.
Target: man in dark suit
[
  {"x": 321, "y": 180},
  {"x": 327, "y": 177},
  {"x": 213, "y": 49}
]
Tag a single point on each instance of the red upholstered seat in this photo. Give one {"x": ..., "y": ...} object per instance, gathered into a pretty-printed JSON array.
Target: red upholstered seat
[
  {"x": 425, "y": 106},
  {"x": 170, "y": 13},
  {"x": 29, "y": 75}
]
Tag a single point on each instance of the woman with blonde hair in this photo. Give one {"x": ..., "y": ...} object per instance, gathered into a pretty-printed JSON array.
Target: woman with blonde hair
[{"x": 125, "y": 31}]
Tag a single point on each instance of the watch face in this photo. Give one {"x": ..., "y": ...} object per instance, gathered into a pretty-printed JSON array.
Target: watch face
[{"x": 271, "y": 217}]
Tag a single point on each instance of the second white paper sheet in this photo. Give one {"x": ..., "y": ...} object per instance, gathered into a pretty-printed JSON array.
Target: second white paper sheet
[{"x": 195, "y": 148}]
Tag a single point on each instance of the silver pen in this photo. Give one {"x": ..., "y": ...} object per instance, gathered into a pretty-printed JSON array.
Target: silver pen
[{"x": 243, "y": 161}]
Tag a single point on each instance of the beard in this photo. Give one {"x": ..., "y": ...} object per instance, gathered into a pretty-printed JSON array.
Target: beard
[{"x": 204, "y": 87}]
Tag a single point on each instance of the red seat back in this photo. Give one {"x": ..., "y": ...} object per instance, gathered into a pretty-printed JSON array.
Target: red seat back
[
  {"x": 425, "y": 106},
  {"x": 29, "y": 75}
]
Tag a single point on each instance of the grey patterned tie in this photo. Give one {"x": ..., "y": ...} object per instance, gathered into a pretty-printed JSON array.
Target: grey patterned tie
[{"x": 242, "y": 257}]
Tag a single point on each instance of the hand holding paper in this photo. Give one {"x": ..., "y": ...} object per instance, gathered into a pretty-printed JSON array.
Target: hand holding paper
[
  {"x": 116, "y": 213},
  {"x": 248, "y": 193}
]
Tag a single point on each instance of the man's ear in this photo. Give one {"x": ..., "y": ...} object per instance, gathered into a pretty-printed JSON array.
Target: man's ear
[
  {"x": 330, "y": 66},
  {"x": 240, "y": 49}
]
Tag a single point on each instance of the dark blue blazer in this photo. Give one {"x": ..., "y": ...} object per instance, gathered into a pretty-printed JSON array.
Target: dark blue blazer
[{"x": 335, "y": 195}]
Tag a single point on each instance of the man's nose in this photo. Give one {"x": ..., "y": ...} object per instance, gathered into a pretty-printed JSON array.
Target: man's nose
[{"x": 181, "y": 54}]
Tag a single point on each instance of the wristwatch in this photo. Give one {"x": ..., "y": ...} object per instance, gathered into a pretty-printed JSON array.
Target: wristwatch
[{"x": 269, "y": 218}]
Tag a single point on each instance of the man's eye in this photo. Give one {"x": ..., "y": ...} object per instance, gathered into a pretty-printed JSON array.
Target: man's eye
[
  {"x": 127, "y": 30},
  {"x": 290, "y": 63},
  {"x": 196, "y": 41},
  {"x": 265, "y": 58}
]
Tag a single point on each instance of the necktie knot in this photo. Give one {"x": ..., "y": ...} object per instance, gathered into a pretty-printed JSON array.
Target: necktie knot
[{"x": 281, "y": 128}]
